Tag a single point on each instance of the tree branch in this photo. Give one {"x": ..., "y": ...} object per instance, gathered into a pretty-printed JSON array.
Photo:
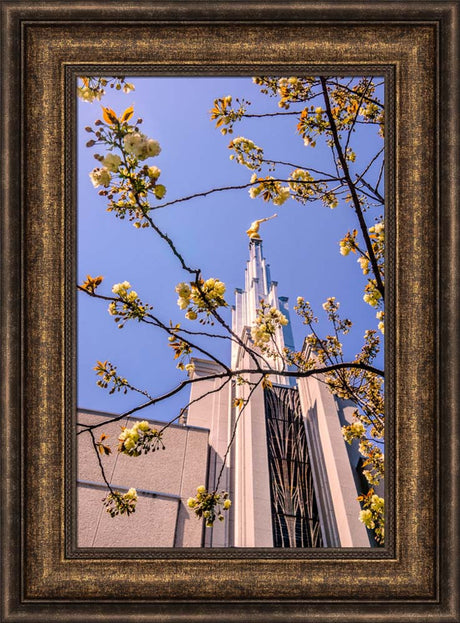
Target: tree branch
[{"x": 351, "y": 186}]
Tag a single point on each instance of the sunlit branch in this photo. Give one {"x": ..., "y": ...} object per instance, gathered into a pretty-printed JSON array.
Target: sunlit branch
[
  {"x": 329, "y": 177},
  {"x": 346, "y": 88},
  {"x": 355, "y": 119},
  {"x": 271, "y": 114},
  {"x": 101, "y": 466},
  {"x": 230, "y": 374},
  {"x": 375, "y": 196},
  {"x": 242, "y": 187},
  {"x": 353, "y": 192},
  {"x": 149, "y": 403},
  {"x": 379, "y": 179},
  {"x": 157, "y": 323},
  {"x": 194, "y": 401},
  {"x": 226, "y": 326}
]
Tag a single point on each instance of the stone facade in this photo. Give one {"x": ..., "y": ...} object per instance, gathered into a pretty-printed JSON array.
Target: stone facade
[{"x": 164, "y": 480}]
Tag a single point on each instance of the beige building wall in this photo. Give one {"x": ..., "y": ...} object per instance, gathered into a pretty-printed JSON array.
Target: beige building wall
[
  {"x": 164, "y": 480},
  {"x": 211, "y": 408}
]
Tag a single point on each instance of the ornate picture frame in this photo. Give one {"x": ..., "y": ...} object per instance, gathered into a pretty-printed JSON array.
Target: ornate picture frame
[{"x": 45, "y": 46}]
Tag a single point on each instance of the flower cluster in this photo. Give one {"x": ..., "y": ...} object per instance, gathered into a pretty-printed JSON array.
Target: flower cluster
[
  {"x": 246, "y": 153},
  {"x": 141, "y": 146},
  {"x": 331, "y": 306},
  {"x": 226, "y": 115},
  {"x": 380, "y": 315},
  {"x": 209, "y": 505},
  {"x": 377, "y": 237},
  {"x": 312, "y": 122},
  {"x": 141, "y": 438},
  {"x": 201, "y": 297},
  {"x": 268, "y": 320},
  {"x": 269, "y": 189},
  {"x": 128, "y": 304},
  {"x": 372, "y": 296},
  {"x": 122, "y": 176},
  {"x": 363, "y": 261},
  {"x": 88, "y": 94},
  {"x": 375, "y": 460},
  {"x": 93, "y": 88},
  {"x": 326, "y": 349},
  {"x": 356, "y": 430},
  {"x": 348, "y": 243},
  {"x": 304, "y": 187},
  {"x": 289, "y": 90},
  {"x": 370, "y": 347},
  {"x": 182, "y": 351},
  {"x": 377, "y": 231},
  {"x": 117, "y": 504},
  {"x": 359, "y": 102},
  {"x": 109, "y": 376},
  {"x": 112, "y": 162},
  {"x": 362, "y": 386},
  {"x": 91, "y": 283},
  {"x": 373, "y": 514},
  {"x": 100, "y": 177},
  {"x": 329, "y": 199},
  {"x": 304, "y": 310}
]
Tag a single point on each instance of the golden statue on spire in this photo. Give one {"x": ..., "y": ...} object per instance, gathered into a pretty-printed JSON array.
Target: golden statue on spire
[{"x": 253, "y": 231}]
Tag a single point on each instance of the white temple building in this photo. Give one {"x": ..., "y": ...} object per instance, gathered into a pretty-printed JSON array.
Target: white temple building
[{"x": 292, "y": 478}]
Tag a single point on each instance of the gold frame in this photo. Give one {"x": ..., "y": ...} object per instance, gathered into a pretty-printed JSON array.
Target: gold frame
[{"x": 45, "y": 578}]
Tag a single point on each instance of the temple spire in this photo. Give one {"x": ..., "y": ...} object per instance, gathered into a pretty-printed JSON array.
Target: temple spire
[{"x": 258, "y": 286}]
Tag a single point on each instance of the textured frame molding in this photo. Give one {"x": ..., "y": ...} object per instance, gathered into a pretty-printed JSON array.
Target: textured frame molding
[{"x": 418, "y": 579}]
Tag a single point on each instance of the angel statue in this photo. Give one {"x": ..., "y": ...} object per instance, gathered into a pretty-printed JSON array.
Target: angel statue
[{"x": 253, "y": 231}]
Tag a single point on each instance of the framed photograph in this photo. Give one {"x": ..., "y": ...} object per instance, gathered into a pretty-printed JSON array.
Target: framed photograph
[
  {"x": 204, "y": 540},
  {"x": 234, "y": 407}
]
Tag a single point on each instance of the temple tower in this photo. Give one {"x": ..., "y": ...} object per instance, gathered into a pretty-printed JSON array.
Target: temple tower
[{"x": 292, "y": 478}]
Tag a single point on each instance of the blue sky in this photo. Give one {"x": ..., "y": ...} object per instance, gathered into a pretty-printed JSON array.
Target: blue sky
[{"x": 301, "y": 245}]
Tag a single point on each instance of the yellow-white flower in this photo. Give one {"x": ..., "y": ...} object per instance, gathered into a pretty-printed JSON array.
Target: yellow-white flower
[
  {"x": 344, "y": 248},
  {"x": 153, "y": 147},
  {"x": 131, "y": 494},
  {"x": 183, "y": 290},
  {"x": 357, "y": 428},
  {"x": 153, "y": 173},
  {"x": 133, "y": 142},
  {"x": 89, "y": 95},
  {"x": 140, "y": 146},
  {"x": 377, "y": 503},
  {"x": 100, "y": 177},
  {"x": 112, "y": 162},
  {"x": 283, "y": 195},
  {"x": 366, "y": 518}
]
